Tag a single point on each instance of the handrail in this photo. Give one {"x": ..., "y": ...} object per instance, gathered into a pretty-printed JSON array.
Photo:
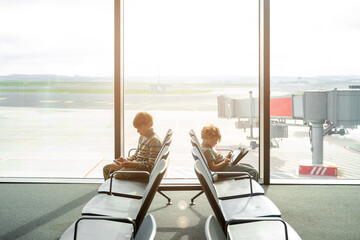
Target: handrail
[
  {"x": 225, "y": 149},
  {"x": 239, "y": 174},
  {"x": 124, "y": 220},
  {"x": 120, "y": 171},
  {"x": 131, "y": 149},
  {"x": 247, "y": 220}
]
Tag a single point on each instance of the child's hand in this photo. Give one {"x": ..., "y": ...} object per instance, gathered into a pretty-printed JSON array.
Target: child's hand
[
  {"x": 229, "y": 155},
  {"x": 227, "y": 160},
  {"x": 119, "y": 161}
]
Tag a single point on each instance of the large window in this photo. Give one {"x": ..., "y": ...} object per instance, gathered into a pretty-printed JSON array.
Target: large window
[
  {"x": 315, "y": 90},
  {"x": 189, "y": 64},
  {"x": 56, "y": 87},
  {"x": 180, "y": 57}
]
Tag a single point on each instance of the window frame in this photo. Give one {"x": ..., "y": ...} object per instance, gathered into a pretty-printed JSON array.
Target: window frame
[{"x": 264, "y": 90}]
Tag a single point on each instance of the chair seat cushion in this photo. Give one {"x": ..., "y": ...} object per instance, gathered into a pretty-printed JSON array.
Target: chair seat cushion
[
  {"x": 248, "y": 207},
  {"x": 127, "y": 188},
  {"x": 99, "y": 230},
  {"x": 108, "y": 205},
  {"x": 234, "y": 188},
  {"x": 262, "y": 230}
]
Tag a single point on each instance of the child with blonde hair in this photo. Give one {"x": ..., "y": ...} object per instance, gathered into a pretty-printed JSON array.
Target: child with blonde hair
[{"x": 210, "y": 136}]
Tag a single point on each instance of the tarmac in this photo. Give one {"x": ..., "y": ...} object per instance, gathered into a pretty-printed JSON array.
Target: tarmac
[
  {"x": 77, "y": 143},
  {"x": 59, "y": 135}
]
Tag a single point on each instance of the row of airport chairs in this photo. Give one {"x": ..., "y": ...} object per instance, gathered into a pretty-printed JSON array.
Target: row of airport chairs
[
  {"x": 129, "y": 188},
  {"x": 241, "y": 209},
  {"x": 119, "y": 211},
  {"x": 238, "y": 202}
]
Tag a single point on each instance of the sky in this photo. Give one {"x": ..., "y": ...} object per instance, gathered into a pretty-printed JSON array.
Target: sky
[{"x": 179, "y": 37}]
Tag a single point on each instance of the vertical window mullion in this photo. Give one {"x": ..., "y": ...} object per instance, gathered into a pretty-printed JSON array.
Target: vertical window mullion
[
  {"x": 264, "y": 89},
  {"x": 119, "y": 77}
]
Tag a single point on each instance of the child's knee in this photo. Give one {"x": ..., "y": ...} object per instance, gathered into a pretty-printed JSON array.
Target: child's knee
[{"x": 107, "y": 168}]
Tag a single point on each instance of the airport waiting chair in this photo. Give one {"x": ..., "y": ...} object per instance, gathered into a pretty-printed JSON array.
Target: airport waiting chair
[
  {"x": 213, "y": 230},
  {"x": 234, "y": 208},
  {"x": 99, "y": 228},
  {"x": 133, "y": 188},
  {"x": 241, "y": 185},
  {"x": 259, "y": 228},
  {"x": 130, "y": 188},
  {"x": 123, "y": 207},
  {"x": 147, "y": 229}
]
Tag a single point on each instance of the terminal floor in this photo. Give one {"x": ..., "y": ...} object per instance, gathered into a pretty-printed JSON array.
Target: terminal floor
[{"x": 44, "y": 211}]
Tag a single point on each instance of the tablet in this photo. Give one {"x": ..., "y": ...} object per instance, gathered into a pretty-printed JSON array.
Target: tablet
[{"x": 237, "y": 155}]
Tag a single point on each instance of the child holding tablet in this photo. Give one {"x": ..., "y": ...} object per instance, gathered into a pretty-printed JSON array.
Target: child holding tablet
[
  {"x": 147, "y": 150},
  {"x": 210, "y": 136}
]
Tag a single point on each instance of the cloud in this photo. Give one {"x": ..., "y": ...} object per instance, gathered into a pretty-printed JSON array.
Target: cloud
[
  {"x": 58, "y": 37},
  {"x": 170, "y": 38}
]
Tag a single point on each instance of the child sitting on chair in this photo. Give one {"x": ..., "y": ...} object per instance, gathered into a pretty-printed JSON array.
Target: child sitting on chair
[
  {"x": 217, "y": 162},
  {"x": 147, "y": 150}
]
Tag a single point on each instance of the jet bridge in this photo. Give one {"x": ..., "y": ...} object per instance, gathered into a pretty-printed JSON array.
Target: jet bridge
[
  {"x": 247, "y": 113},
  {"x": 324, "y": 112}
]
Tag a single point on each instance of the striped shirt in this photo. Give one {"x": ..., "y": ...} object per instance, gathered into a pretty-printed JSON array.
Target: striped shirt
[{"x": 146, "y": 152}]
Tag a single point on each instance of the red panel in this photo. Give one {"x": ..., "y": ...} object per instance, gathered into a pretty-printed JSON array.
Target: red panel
[
  {"x": 281, "y": 107},
  {"x": 318, "y": 170}
]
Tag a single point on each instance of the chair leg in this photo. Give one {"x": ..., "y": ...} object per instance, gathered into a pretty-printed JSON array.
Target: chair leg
[
  {"x": 165, "y": 196},
  {"x": 192, "y": 200}
]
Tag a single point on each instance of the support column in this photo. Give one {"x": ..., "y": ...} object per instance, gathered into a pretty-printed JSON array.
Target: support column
[
  {"x": 317, "y": 167},
  {"x": 317, "y": 143}
]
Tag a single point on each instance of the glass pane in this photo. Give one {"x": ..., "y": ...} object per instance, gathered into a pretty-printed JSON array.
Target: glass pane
[
  {"x": 180, "y": 56},
  {"x": 315, "y": 89},
  {"x": 56, "y": 87}
]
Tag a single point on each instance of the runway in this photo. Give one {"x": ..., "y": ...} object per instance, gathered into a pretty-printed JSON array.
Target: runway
[{"x": 166, "y": 102}]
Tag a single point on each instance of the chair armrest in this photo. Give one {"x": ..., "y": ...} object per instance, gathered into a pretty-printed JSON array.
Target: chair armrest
[
  {"x": 119, "y": 171},
  {"x": 229, "y": 150},
  {"x": 239, "y": 174},
  {"x": 132, "y": 149},
  {"x": 224, "y": 149},
  {"x": 124, "y": 220},
  {"x": 136, "y": 172},
  {"x": 247, "y": 220}
]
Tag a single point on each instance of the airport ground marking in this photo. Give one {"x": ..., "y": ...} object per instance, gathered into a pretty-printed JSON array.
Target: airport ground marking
[
  {"x": 94, "y": 167},
  {"x": 353, "y": 151}
]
